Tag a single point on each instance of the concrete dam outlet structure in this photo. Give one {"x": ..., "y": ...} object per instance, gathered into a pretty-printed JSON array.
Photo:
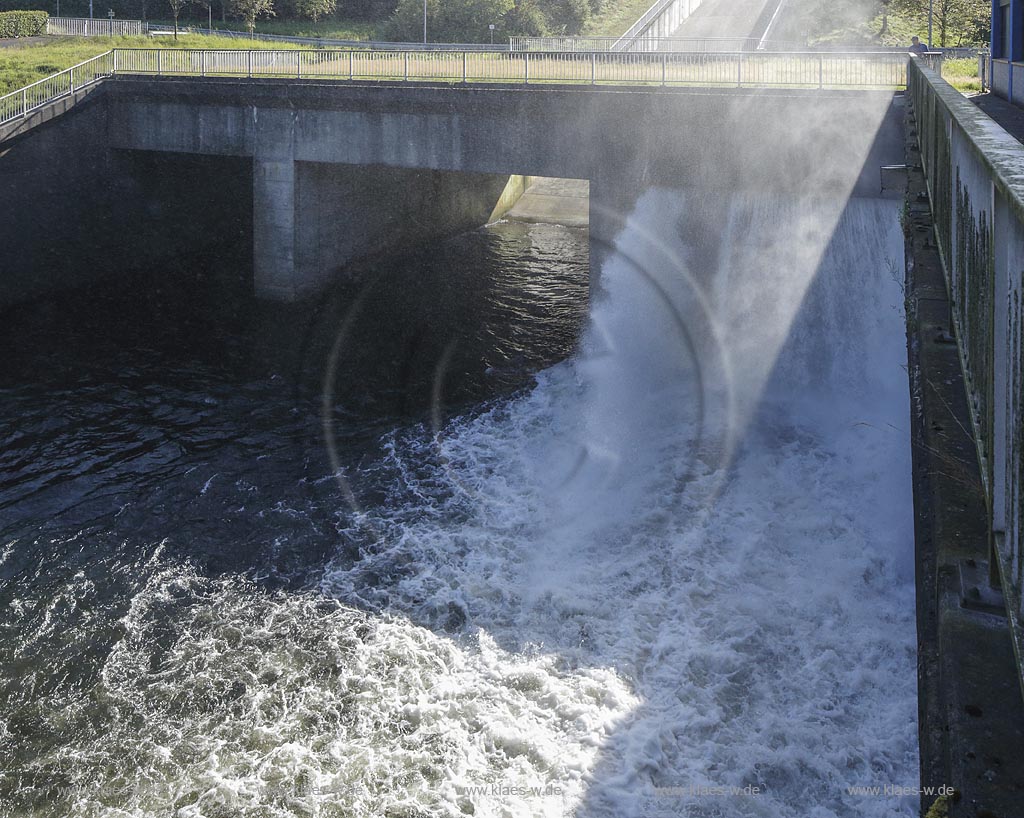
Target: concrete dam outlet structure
[
  {"x": 678, "y": 557},
  {"x": 145, "y": 168}
]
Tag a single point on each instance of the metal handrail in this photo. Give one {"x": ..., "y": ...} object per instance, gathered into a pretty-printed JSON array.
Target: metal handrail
[
  {"x": 796, "y": 69},
  {"x": 23, "y": 101},
  {"x": 95, "y": 27},
  {"x": 736, "y": 69}
]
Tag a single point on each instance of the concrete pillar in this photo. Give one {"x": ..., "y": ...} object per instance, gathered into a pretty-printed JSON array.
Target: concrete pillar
[
  {"x": 274, "y": 206},
  {"x": 311, "y": 219}
]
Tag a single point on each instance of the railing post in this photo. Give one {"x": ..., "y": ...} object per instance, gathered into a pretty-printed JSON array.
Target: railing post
[
  {"x": 526, "y": 69},
  {"x": 248, "y": 62},
  {"x": 298, "y": 64},
  {"x": 351, "y": 65},
  {"x": 739, "y": 69},
  {"x": 159, "y": 62},
  {"x": 821, "y": 71},
  {"x": 24, "y": 102},
  {"x": 593, "y": 68},
  {"x": 463, "y": 66},
  {"x": 664, "y": 68},
  {"x": 405, "y": 67},
  {"x": 113, "y": 62},
  {"x": 202, "y": 63}
]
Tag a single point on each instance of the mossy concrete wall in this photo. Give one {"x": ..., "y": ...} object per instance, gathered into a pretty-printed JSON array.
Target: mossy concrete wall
[{"x": 975, "y": 176}]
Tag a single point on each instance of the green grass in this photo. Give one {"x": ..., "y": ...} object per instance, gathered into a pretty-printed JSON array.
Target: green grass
[
  {"x": 23, "y": 65},
  {"x": 616, "y": 16},
  {"x": 327, "y": 29},
  {"x": 962, "y": 75}
]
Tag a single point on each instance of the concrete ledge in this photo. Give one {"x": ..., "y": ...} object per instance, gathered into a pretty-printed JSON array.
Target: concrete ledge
[
  {"x": 971, "y": 717},
  {"x": 1000, "y": 152},
  {"x": 47, "y": 113}
]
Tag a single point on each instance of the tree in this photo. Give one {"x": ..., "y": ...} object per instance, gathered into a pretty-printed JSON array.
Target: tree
[
  {"x": 370, "y": 9},
  {"x": 249, "y": 10},
  {"x": 567, "y": 16},
  {"x": 448, "y": 21},
  {"x": 208, "y": 5},
  {"x": 176, "y": 7},
  {"x": 892, "y": 22},
  {"x": 315, "y": 9},
  {"x": 959, "y": 20},
  {"x": 525, "y": 19}
]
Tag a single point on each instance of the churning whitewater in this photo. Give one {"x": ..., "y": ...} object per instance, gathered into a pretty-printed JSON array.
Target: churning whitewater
[{"x": 680, "y": 563}]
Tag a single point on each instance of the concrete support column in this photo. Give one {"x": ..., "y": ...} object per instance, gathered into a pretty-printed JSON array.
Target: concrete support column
[{"x": 274, "y": 206}]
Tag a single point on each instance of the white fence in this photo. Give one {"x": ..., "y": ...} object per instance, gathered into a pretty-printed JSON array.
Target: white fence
[
  {"x": 24, "y": 101},
  {"x": 740, "y": 69},
  {"x": 85, "y": 27}
]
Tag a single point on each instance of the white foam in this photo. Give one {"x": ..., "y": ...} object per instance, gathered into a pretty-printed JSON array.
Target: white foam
[{"x": 594, "y": 587}]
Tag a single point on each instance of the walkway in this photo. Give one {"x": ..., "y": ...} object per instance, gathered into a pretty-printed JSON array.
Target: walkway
[
  {"x": 1010, "y": 117},
  {"x": 554, "y": 201},
  {"x": 727, "y": 18},
  {"x": 17, "y": 42}
]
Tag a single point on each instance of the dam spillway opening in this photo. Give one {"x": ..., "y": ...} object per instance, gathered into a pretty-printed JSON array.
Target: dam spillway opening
[{"x": 456, "y": 536}]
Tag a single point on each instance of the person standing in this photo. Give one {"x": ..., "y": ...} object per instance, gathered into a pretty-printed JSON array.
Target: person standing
[{"x": 917, "y": 47}]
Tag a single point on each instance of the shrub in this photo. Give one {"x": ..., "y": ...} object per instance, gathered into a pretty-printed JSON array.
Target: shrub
[
  {"x": 22, "y": 23},
  {"x": 448, "y": 21}
]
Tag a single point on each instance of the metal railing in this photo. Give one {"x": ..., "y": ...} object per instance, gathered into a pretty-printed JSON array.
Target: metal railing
[
  {"x": 739, "y": 69},
  {"x": 22, "y": 102},
  {"x": 977, "y": 196},
  {"x": 85, "y": 27}
]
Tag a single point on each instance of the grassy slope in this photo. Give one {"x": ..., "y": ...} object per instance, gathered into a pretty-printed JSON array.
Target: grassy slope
[
  {"x": 329, "y": 29},
  {"x": 616, "y": 16},
  {"x": 22, "y": 65},
  {"x": 962, "y": 75}
]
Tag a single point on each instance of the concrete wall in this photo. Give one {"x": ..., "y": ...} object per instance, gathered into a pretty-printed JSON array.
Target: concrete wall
[
  {"x": 73, "y": 211},
  {"x": 55, "y": 211},
  {"x": 344, "y": 212},
  {"x": 74, "y": 206},
  {"x": 1007, "y": 81},
  {"x": 977, "y": 195},
  {"x": 308, "y": 219},
  {"x": 621, "y": 140}
]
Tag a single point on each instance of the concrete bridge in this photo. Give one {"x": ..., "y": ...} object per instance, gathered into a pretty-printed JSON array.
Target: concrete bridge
[
  {"x": 311, "y": 172},
  {"x": 336, "y": 169}
]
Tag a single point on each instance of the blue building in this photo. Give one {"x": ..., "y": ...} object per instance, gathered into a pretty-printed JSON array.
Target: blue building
[{"x": 1007, "y": 78}]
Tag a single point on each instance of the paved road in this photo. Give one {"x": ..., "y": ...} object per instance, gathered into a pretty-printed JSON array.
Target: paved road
[
  {"x": 15, "y": 42},
  {"x": 726, "y": 18}
]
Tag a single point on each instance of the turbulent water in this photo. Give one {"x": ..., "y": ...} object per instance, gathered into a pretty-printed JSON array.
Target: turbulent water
[{"x": 440, "y": 546}]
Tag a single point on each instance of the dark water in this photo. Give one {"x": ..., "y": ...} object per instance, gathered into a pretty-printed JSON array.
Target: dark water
[
  {"x": 382, "y": 554},
  {"x": 155, "y": 424}
]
